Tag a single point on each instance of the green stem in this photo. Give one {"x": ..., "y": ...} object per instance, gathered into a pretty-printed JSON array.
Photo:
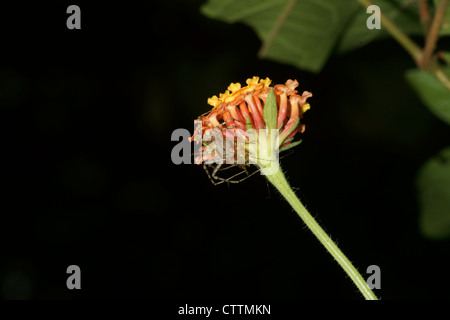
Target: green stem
[
  {"x": 433, "y": 34},
  {"x": 425, "y": 17},
  {"x": 442, "y": 77},
  {"x": 276, "y": 177}
]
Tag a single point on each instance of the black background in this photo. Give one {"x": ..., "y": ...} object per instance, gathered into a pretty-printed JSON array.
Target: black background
[{"x": 86, "y": 176}]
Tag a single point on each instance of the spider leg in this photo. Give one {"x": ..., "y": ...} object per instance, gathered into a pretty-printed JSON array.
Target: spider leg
[
  {"x": 239, "y": 173},
  {"x": 226, "y": 168},
  {"x": 211, "y": 176},
  {"x": 231, "y": 179}
]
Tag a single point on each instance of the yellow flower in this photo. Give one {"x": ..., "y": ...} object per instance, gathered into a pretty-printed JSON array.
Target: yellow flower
[
  {"x": 253, "y": 80},
  {"x": 305, "y": 107},
  {"x": 236, "y": 92},
  {"x": 213, "y": 101},
  {"x": 266, "y": 82},
  {"x": 233, "y": 87}
]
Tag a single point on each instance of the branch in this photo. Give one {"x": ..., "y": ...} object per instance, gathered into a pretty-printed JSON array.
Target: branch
[
  {"x": 425, "y": 17},
  {"x": 433, "y": 34}
]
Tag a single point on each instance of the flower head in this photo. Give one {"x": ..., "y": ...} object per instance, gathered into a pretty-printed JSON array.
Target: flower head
[{"x": 240, "y": 109}]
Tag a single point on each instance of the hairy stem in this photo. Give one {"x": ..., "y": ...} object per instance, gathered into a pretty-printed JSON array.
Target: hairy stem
[{"x": 277, "y": 178}]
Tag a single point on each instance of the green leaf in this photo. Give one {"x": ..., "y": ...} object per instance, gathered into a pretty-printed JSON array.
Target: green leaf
[
  {"x": 431, "y": 92},
  {"x": 445, "y": 28},
  {"x": 302, "y": 33},
  {"x": 271, "y": 110},
  {"x": 433, "y": 186},
  {"x": 404, "y": 13}
]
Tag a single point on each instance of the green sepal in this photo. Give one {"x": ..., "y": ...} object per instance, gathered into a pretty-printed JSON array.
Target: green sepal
[
  {"x": 270, "y": 111},
  {"x": 248, "y": 123},
  {"x": 284, "y": 136},
  {"x": 289, "y": 146}
]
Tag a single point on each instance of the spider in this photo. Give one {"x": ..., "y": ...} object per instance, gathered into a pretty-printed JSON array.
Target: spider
[{"x": 214, "y": 172}]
